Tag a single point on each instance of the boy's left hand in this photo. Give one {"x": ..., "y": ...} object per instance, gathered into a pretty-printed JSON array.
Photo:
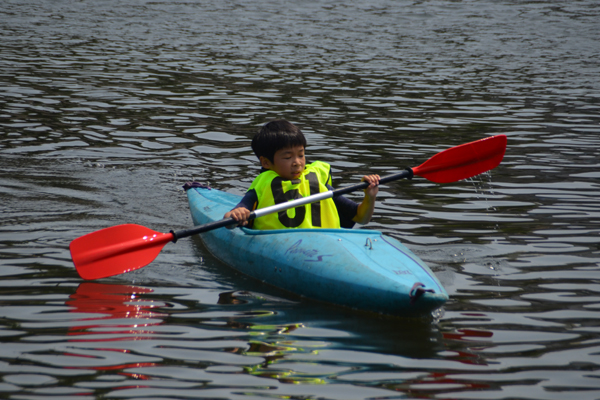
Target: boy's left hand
[{"x": 373, "y": 188}]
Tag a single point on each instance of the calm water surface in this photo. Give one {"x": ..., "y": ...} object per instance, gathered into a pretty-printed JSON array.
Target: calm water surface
[{"x": 107, "y": 108}]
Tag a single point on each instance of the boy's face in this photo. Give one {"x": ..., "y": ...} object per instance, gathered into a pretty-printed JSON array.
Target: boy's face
[{"x": 288, "y": 163}]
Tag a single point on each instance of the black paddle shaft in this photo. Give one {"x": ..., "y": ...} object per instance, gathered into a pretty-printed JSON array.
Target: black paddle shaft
[
  {"x": 206, "y": 227},
  {"x": 407, "y": 173}
]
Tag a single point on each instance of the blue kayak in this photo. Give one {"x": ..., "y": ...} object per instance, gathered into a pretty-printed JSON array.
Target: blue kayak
[{"x": 359, "y": 269}]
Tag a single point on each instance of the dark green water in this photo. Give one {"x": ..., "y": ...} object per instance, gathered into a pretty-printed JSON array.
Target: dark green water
[{"x": 107, "y": 108}]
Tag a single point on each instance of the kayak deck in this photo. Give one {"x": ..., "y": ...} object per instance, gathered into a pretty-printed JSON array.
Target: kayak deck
[{"x": 361, "y": 269}]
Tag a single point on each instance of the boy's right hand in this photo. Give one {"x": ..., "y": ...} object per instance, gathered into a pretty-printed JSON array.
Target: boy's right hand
[{"x": 239, "y": 214}]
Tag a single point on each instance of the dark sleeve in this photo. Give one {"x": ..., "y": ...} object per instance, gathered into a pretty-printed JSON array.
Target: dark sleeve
[
  {"x": 346, "y": 209},
  {"x": 249, "y": 200}
]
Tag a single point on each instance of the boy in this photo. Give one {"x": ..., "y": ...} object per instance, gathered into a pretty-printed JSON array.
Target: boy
[{"x": 280, "y": 147}]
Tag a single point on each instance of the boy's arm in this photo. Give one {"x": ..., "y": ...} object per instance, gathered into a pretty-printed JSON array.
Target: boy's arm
[{"x": 366, "y": 208}]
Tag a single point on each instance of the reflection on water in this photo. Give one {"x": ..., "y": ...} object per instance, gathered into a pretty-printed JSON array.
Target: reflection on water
[
  {"x": 119, "y": 307},
  {"x": 106, "y": 109}
]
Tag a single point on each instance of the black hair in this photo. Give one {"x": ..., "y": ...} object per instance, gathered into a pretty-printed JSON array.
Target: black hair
[{"x": 276, "y": 135}]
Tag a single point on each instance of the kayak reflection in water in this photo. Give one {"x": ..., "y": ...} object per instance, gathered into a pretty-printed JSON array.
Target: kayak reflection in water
[{"x": 281, "y": 148}]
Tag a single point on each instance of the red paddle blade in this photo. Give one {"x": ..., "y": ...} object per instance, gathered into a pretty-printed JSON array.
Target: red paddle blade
[
  {"x": 464, "y": 161},
  {"x": 116, "y": 250}
]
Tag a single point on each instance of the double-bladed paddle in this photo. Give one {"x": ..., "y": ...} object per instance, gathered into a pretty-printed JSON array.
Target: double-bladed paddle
[{"x": 124, "y": 248}]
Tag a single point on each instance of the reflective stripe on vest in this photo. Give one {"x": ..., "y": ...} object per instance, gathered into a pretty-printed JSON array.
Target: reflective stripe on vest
[{"x": 271, "y": 189}]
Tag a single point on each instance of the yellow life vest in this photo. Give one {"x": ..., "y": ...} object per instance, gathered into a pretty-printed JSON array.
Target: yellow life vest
[{"x": 271, "y": 189}]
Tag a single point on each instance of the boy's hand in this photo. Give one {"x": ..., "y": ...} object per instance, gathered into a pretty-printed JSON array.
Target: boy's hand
[
  {"x": 373, "y": 188},
  {"x": 240, "y": 214}
]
